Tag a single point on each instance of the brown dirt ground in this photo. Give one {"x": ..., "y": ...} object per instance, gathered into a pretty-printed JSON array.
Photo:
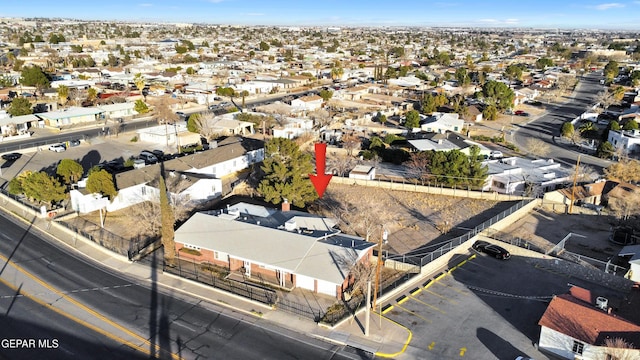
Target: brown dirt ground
[{"x": 411, "y": 219}]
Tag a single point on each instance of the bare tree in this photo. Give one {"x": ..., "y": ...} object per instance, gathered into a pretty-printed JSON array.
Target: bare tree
[
  {"x": 627, "y": 170},
  {"x": 361, "y": 271},
  {"x": 537, "y": 147},
  {"x": 587, "y": 173},
  {"x": 418, "y": 164},
  {"x": 565, "y": 82},
  {"x": 320, "y": 118},
  {"x": 618, "y": 349},
  {"x": 164, "y": 114},
  {"x": 341, "y": 164},
  {"x": 606, "y": 99},
  {"x": 351, "y": 142},
  {"x": 625, "y": 206}
]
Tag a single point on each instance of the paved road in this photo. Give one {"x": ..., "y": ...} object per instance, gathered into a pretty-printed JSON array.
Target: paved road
[
  {"x": 547, "y": 127},
  {"x": 154, "y": 316}
]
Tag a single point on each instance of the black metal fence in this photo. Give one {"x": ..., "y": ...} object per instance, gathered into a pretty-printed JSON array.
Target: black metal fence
[
  {"x": 442, "y": 248},
  {"x": 302, "y": 310},
  {"x": 202, "y": 273}
]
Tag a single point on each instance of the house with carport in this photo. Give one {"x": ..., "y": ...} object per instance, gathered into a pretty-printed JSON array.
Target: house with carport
[
  {"x": 71, "y": 116},
  {"x": 289, "y": 249}
]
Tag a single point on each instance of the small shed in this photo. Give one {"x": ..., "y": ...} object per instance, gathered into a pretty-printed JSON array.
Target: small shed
[{"x": 363, "y": 172}]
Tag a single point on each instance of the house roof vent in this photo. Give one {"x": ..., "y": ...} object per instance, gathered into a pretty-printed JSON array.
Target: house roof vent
[
  {"x": 602, "y": 303},
  {"x": 290, "y": 225}
]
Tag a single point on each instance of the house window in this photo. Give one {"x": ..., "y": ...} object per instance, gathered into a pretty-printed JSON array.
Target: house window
[
  {"x": 193, "y": 247},
  {"x": 578, "y": 347},
  {"x": 219, "y": 255},
  {"x": 143, "y": 190}
]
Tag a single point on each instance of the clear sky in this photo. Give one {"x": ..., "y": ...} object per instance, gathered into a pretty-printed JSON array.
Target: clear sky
[{"x": 468, "y": 13}]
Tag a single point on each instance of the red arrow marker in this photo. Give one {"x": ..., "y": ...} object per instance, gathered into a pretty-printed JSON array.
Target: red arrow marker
[{"x": 321, "y": 180}]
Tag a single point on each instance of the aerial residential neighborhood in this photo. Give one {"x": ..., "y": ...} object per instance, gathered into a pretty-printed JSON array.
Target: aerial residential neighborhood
[{"x": 185, "y": 189}]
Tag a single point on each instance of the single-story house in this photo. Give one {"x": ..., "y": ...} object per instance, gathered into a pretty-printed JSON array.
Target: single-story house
[
  {"x": 579, "y": 325},
  {"x": 307, "y": 103},
  {"x": 198, "y": 177},
  {"x": 70, "y": 116},
  {"x": 17, "y": 125},
  {"x": 521, "y": 176},
  {"x": 169, "y": 135},
  {"x": 118, "y": 110},
  {"x": 446, "y": 141},
  {"x": 626, "y": 140},
  {"x": 583, "y": 194},
  {"x": 442, "y": 122},
  {"x": 285, "y": 247}
]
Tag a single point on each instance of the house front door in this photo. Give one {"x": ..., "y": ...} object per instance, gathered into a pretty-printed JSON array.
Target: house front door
[{"x": 247, "y": 268}]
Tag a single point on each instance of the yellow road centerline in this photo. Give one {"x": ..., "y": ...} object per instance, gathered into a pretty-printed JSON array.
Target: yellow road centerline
[{"x": 85, "y": 308}]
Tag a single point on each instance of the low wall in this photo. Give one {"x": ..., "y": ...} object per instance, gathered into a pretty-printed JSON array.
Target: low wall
[{"x": 483, "y": 195}]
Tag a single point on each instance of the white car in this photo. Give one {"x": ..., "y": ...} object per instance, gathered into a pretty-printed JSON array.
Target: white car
[
  {"x": 58, "y": 147},
  {"x": 496, "y": 154}
]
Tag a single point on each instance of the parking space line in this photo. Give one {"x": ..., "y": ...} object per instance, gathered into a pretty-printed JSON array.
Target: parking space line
[
  {"x": 454, "y": 289},
  {"x": 413, "y": 313},
  {"x": 442, "y": 297},
  {"x": 429, "y": 305}
]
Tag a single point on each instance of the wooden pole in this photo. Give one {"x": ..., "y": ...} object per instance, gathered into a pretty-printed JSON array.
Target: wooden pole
[{"x": 573, "y": 189}]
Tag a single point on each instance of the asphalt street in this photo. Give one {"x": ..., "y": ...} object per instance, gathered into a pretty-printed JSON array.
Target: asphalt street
[
  {"x": 166, "y": 324},
  {"x": 547, "y": 127}
]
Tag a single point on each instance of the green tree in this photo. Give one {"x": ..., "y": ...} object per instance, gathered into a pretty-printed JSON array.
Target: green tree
[
  {"x": 630, "y": 125},
  {"x": 490, "y": 113},
  {"x": 140, "y": 107},
  {"x": 604, "y": 150},
  {"x": 63, "y": 94},
  {"x": 225, "y": 91},
  {"x": 168, "y": 223},
  {"x": 56, "y": 38},
  {"x": 513, "y": 72},
  {"x": 611, "y": 70},
  {"x": 614, "y": 125},
  {"x": 20, "y": 106},
  {"x": 101, "y": 181},
  {"x": 567, "y": 130},
  {"x": 498, "y": 93},
  {"x": 70, "y": 170},
  {"x": 42, "y": 187},
  {"x": 462, "y": 77},
  {"x": 264, "y": 46},
  {"x": 337, "y": 72},
  {"x": 193, "y": 123},
  {"x": 326, "y": 94},
  {"x": 543, "y": 63},
  {"x": 139, "y": 81},
  {"x": 477, "y": 171},
  {"x": 34, "y": 76},
  {"x": 412, "y": 119},
  {"x": 286, "y": 170}
]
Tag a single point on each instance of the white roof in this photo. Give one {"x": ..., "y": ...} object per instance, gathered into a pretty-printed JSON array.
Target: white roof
[
  {"x": 288, "y": 251},
  {"x": 70, "y": 112}
]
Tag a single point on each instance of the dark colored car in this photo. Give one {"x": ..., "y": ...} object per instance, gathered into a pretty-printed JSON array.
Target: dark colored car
[
  {"x": 11, "y": 156},
  {"x": 491, "y": 250}
]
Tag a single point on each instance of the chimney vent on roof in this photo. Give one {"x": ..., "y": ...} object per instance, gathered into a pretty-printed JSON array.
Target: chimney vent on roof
[
  {"x": 602, "y": 303},
  {"x": 285, "y": 205}
]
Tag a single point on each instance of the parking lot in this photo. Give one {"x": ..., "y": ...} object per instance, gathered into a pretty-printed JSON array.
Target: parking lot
[
  {"x": 89, "y": 153},
  {"x": 482, "y": 308}
]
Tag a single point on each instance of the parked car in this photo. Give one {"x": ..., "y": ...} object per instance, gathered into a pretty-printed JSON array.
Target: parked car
[
  {"x": 148, "y": 157},
  {"x": 518, "y": 112},
  {"x": 158, "y": 153},
  {"x": 495, "y": 154},
  {"x": 74, "y": 143},
  {"x": 11, "y": 156},
  {"x": 58, "y": 147},
  {"x": 491, "y": 250}
]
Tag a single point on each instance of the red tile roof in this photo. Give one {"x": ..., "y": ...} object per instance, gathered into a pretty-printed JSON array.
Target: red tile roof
[{"x": 583, "y": 321}]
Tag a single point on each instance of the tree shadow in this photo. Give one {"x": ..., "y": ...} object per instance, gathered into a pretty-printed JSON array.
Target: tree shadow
[
  {"x": 91, "y": 159},
  {"x": 501, "y": 348}
]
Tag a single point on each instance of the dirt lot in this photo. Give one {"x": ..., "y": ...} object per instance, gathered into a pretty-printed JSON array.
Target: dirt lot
[{"x": 410, "y": 219}]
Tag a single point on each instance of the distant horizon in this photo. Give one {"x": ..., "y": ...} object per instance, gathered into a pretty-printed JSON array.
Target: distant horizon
[{"x": 542, "y": 14}]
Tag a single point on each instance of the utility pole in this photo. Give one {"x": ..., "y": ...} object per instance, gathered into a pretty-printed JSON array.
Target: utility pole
[
  {"x": 573, "y": 189},
  {"x": 378, "y": 267},
  {"x": 367, "y": 309}
]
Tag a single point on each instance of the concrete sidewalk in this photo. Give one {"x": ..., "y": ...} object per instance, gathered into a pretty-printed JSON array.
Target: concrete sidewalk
[{"x": 386, "y": 338}]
